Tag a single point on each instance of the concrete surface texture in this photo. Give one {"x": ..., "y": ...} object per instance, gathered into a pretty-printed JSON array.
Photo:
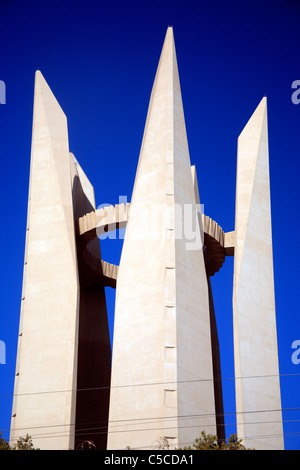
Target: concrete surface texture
[
  {"x": 258, "y": 399},
  {"x": 47, "y": 358},
  {"x": 64, "y": 356},
  {"x": 162, "y": 307}
]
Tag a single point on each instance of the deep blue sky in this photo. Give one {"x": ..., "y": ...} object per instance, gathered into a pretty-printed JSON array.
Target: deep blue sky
[{"x": 99, "y": 58}]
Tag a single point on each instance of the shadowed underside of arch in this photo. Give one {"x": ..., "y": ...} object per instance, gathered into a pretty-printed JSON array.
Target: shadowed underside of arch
[{"x": 218, "y": 244}]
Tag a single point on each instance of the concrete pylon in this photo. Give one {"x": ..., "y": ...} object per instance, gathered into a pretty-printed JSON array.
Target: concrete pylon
[
  {"x": 258, "y": 401},
  {"x": 49, "y": 313},
  {"x": 63, "y": 344},
  {"x": 162, "y": 375}
]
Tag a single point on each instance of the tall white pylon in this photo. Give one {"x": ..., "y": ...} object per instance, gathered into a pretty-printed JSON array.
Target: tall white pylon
[
  {"x": 258, "y": 400},
  {"x": 162, "y": 360},
  {"x": 47, "y": 349},
  {"x": 63, "y": 365}
]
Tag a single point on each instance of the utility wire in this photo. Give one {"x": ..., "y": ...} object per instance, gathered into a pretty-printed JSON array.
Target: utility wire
[
  {"x": 150, "y": 384},
  {"x": 157, "y": 420},
  {"x": 95, "y": 433},
  {"x": 136, "y": 421},
  {"x": 98, "y": 430}
]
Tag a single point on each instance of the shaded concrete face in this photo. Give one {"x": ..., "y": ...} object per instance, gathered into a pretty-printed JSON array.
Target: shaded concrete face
[
  {"x": 94, "y": 351},
  {"x": 93, "y": 373},
  {"x": 255, "y": 337},
  {"x": 162, "y": 309}
]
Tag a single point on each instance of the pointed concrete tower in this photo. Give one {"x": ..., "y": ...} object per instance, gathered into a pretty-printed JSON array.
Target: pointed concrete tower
[
  {"x": 47, "y": 358},
  {"x": 162, "y": 377},
  {"x": 258, "y": 400},
  {"x": 63, "y": 346}
]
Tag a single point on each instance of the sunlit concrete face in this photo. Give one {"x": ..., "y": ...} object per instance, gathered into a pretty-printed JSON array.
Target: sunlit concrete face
[
  {"x": 255, "y": 337},
  {"x": 57, "y": 353},
  {"x": 162, "y": 309},
  {"x": 47, "y": 357}
]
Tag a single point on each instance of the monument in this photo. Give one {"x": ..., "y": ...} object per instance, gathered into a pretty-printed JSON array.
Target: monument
[{"x": 163, "y": 382}]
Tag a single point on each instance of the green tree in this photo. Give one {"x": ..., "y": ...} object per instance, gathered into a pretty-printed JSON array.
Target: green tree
[
  {"x": 233, "y": 443},
  {"x": 210, "y": 442},
  {"x": 23, "y": 443},
  {"x": 3, "y": 444}
]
